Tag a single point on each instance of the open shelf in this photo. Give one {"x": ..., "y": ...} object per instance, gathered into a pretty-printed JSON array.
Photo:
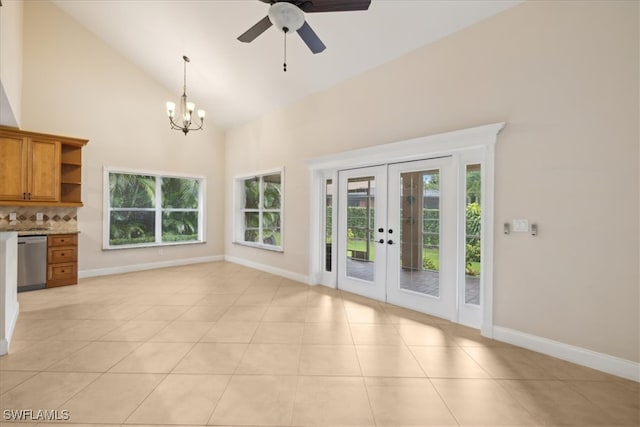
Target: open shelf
[
  {"x": 71, "y": 193},
  {"x": 71, "y": 174},
  {"x": 71, "y": 155}
]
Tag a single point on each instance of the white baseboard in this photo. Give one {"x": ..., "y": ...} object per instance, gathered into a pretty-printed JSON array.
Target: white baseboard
[
  {"x": 602, "y": 362},
  {"x": 147, "y": 266},
  {"x": 268, "y": 269}
]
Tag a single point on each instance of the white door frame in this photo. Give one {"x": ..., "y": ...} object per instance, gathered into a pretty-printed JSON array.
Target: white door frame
[{"x": 474, "y": 145}]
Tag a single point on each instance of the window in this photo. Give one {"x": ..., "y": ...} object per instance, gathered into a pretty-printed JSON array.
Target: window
[
  {"x": 149, "y": 209},
  {"x": 259, "y": 201},
  {"x": 473, "y": 243},
  {"x": 328, "y": 223}
]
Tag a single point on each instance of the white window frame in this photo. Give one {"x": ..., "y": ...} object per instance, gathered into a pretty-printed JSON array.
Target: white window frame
[
  {"x": 106, "y": 226},
  {"x": 239, "y": 210}
]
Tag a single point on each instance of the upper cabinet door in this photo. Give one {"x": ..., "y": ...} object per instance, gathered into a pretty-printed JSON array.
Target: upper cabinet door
[
  {"x": 44, "y": 176},
  {"x": 13, "y": 168}
]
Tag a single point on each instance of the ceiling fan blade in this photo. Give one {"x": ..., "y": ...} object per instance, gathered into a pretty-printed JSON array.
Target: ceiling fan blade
[
  {"x": 253, "y": 32},
  {"x": 311, "y": 6},
  {"x": 311, "y": 38}
]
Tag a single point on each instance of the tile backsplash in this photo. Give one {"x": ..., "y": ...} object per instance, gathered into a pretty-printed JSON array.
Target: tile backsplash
[{"x": 53, "y": 218}]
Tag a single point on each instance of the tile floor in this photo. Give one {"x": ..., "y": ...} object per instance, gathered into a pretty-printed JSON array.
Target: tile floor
[{"x": 221, "y": 344}]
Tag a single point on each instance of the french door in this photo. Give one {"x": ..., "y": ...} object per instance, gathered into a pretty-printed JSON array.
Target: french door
[
  {"x": 414, "y": 233},
  {"x": 397, "y": 235},
  {"x": 362, "y": 231}
]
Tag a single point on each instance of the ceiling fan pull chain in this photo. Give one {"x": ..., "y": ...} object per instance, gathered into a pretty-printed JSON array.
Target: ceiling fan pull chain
[{"x": 285, "y": 30}]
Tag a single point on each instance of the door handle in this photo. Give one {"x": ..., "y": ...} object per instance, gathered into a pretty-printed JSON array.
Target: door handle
[{"x": 390, "y": 242}]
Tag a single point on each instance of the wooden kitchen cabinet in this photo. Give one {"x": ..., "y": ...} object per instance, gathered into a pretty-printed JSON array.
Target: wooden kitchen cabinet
[
  {"x": 30, "y": 169},
  {"x": 62, "y": 260},
  {"x": 39, "y": 169}
]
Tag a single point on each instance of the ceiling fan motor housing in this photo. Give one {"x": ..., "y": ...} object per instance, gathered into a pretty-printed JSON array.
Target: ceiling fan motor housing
[{"x": 286, "y": 16}]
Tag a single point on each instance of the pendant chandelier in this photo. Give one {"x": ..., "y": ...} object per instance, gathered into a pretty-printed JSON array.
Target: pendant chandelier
[{"x": 185, "y": 120}]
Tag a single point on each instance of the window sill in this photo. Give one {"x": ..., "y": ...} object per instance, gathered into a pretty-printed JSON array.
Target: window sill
[
  {"x": 261, "y": 246},
  {"x": 153, "y": 245}
]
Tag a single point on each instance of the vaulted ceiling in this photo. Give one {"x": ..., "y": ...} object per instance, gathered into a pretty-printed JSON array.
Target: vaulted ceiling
[{"x": 236, "y": 82}]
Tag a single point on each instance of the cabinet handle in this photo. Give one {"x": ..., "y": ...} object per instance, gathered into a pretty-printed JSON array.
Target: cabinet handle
[{"x": 24, "y": 196}]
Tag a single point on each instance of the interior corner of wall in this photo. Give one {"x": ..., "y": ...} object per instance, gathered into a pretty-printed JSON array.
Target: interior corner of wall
[{"x": 7, "y": 116}]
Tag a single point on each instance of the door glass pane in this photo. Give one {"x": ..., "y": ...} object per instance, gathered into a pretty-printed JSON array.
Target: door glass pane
[
  {"x": 420, "y": 232},
  {"x": 360, "y": 220},
  {"x": 472, "y": 235},
  {"x": 328, "y": 223}
]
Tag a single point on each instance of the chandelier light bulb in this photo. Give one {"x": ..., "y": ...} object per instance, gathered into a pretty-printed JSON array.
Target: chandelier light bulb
[{"x": 171, "y": 109}]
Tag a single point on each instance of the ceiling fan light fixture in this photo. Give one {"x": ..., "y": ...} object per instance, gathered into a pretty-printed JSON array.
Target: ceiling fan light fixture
[{"x": 286, "y": 16}]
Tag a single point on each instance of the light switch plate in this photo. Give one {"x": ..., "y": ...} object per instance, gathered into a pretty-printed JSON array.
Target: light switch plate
[
  {"x": 12, "y": 216},
  {"x": 520, "y": 225},
  {"x": 39, "y": 216}
]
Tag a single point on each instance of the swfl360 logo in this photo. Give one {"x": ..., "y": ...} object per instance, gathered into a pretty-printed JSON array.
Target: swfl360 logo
[{"x": 36, "y": 415}]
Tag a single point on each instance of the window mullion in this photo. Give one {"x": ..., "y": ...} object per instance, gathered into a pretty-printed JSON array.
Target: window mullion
[
  {"x": 158, "y": 209},
  {"x": 260, "y": 210}
]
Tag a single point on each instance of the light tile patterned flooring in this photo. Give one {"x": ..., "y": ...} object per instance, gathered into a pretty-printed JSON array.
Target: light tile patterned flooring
[{"x": 221, "y": 344}]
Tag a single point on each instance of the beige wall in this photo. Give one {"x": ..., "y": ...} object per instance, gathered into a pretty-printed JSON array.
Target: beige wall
[
  {"x": 564, "y": 76},
  {"x": 11, "y": 14},
  {"x": 77, "y": 86}
]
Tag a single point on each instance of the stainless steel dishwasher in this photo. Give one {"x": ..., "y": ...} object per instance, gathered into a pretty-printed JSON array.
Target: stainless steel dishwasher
[{"x": 32, "y": 263}]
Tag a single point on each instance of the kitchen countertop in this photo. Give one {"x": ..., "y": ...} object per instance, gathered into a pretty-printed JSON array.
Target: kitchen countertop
[{"x": 40, "y": 232}]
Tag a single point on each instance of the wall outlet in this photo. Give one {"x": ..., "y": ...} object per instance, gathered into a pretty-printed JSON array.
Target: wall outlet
[
  {"x": 12, "y": 216},
  {"x": 520, "y": 225}
]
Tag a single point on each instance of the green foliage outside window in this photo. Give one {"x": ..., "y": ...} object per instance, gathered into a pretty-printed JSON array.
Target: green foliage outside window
[
  {"x": 135, "y": 206},
  {"x": 472, "y": 246}
]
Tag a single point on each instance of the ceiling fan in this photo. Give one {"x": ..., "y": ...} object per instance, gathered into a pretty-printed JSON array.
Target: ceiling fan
[{"x": 288, "y": 15}]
